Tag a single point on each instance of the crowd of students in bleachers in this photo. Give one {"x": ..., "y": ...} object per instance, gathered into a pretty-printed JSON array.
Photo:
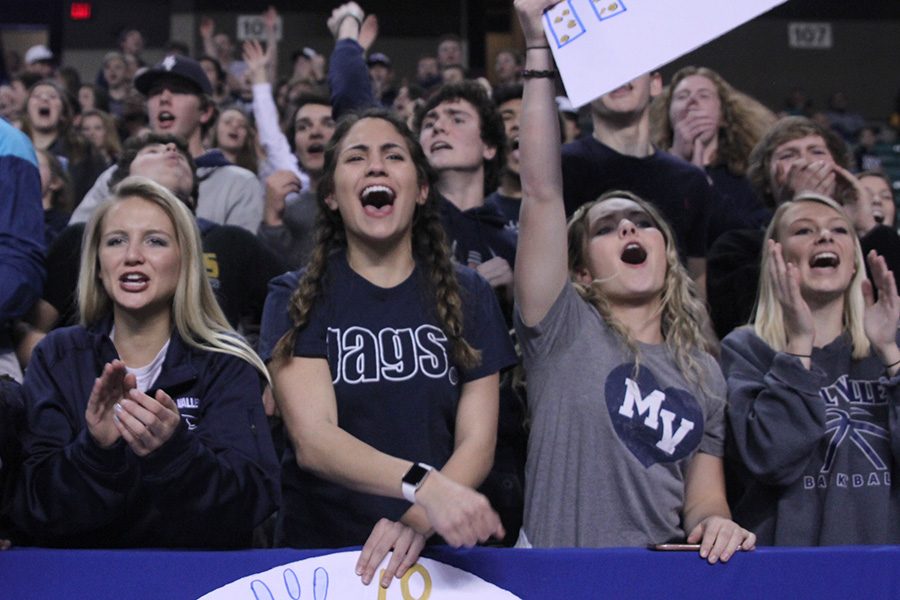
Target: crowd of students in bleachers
[{"x": 209, "y": 271}]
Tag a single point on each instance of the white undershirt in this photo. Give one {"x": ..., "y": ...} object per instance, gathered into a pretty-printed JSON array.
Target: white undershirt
[{"x": 147, "y": 374}]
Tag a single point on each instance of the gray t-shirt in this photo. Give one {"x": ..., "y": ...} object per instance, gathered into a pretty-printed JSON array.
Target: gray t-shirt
[
  {"x": 295, "y": 239},
  {"x": 609, "y": 451},
  {"x": 228, "y": 195}
]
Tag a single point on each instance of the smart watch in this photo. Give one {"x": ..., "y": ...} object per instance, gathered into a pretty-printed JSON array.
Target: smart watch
[{"x": 414, "y": 479}]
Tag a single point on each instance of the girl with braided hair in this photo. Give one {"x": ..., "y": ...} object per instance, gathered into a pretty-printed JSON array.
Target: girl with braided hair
[{"x": 388, "y": 384}]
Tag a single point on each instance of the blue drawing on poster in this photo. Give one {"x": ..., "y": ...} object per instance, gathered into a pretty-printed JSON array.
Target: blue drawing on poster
[
  {"x": 606, "y": 9},
  {"x": 564, "y": 23}
]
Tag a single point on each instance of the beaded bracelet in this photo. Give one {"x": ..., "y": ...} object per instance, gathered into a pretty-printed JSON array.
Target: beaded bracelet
[{"x": 538, "y": 74}]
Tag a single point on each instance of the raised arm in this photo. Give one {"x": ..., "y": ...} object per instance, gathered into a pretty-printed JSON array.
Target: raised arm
[
  {"x": 541, "y": 256},
  {"x": 207, "y": 31},
  {"x": 269, "y": 17},
  {"x": 278, "y": 152},
  {"x": 348, "y": 75}
]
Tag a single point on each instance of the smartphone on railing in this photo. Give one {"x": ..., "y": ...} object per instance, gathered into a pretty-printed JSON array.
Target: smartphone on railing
[{"x": 675, "y": 547}]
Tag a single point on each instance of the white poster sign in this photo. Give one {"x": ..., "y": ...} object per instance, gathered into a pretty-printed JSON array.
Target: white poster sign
[
  {"x": 601, "y": 44},
  {"x": 332, "y": 577},
  {"x": 253, "y": 27}
]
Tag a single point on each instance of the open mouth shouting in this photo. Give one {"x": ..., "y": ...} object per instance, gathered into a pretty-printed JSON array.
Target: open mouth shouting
[
  {"x": 378, "y": 200},
  {"x": 634, "y": 254},
  {"x": 134, "y": 281},
  {"x": 824, "y": 260},
  {"x": 165, "y": 119}
]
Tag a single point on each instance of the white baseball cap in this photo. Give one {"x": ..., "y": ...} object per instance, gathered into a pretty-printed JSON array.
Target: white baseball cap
[{"x": 37, "y": 54}]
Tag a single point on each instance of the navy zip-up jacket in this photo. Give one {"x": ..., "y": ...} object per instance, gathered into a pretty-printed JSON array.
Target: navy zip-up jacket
[{"x": 207, "y": 487}]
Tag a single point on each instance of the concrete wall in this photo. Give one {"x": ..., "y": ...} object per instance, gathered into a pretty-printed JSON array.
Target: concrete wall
[{"x": 755, "y": 58}]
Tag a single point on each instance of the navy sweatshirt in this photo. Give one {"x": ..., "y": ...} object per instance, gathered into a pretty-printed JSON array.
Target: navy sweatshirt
[{"x": 206, "y": 487}]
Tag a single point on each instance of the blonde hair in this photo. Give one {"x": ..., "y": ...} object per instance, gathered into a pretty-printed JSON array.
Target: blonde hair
[
  {"x": 768, "y": 320},
  {"x": 195, "y": 311},
  {"x": 682, "y": 312}
]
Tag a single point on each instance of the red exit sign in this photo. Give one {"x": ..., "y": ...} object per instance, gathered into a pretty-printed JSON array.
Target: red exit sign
[{"x": 80, "y": 11}]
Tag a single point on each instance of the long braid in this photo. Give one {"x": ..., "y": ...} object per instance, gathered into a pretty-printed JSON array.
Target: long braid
[
  {"x": 329, "y": 237},
  {"x": 431, "y": 249}
]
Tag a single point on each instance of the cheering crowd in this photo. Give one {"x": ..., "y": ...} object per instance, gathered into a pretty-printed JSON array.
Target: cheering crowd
[{"x": 347, "y": 308}]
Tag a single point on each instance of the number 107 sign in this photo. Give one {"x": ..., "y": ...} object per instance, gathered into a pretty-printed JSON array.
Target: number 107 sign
[{"x": 810, "y": 35}]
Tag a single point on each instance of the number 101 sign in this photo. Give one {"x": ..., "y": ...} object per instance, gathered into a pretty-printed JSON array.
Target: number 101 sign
[{"x": 253, "y": 27}]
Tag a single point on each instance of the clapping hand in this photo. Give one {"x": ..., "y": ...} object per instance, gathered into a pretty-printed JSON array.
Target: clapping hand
[
  {"x": 799, "y": 324},
  {"x": 111, "y": 387},
  {"x": 881, "y": 318},
  {"x": 146, "y": 422}
]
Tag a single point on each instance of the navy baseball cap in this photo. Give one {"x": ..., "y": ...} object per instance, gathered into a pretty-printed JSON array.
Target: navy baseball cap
[
  {"x": 379, "y": 58},
  {"x": 178, "y": 67}
]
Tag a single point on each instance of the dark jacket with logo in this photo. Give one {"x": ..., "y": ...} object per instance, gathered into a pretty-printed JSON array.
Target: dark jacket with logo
[
  {"x": 206, "y": 487},
  {"x": 815, "y": 450}
]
